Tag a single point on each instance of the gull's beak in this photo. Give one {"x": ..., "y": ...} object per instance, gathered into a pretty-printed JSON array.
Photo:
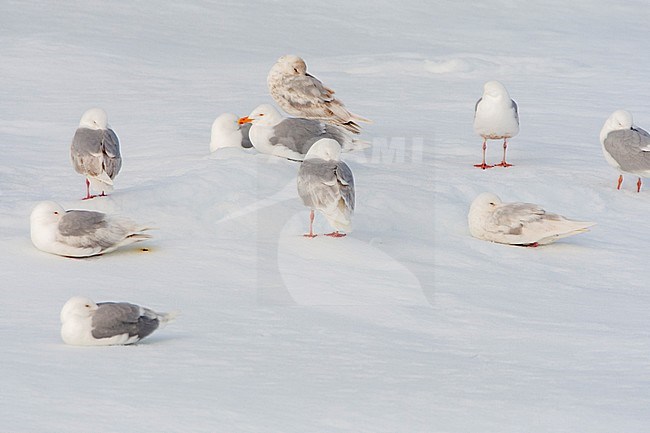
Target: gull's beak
[{"x": 243, "y": 120}]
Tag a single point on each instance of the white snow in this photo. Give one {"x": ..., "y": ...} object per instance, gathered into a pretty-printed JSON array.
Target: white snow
[{"x": 406, "y": 325}]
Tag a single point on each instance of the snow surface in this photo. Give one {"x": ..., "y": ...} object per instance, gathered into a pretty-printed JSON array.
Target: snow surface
[{"x": 408, "y": 324}]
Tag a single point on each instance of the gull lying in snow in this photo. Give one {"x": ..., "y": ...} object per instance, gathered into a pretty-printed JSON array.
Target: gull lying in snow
[
  {"x": 292, "y": 137},
  {"x": 84, "y": 323},
  {"x": 81, "y": 233},
  {"x": 326, "y": 183},
  {"x": 227, "y": 132},
  {"x": 626, "y": 146},
  {"x": 303, "y": 95},
  {"x": 523, "y": 224},
  {"x": 95, "y": 152},
  {"x": 495, "y": 118}
]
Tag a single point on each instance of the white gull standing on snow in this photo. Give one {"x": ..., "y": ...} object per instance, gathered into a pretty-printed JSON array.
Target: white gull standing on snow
[
  {"x": 292, "y": 137},
  {"x": 523, "y": 224},
  {"x": 303, "y": 95},
  {"x": 95, "y": 152},
  {"x": 227, "y": 132},
  {"x": 325, "y": 183},
  {"x": 495, "y": 117},
  {"x": 626, "y": 147},
  {"x": 81, "y": 233},
  {"x": 85, "y": 323}
]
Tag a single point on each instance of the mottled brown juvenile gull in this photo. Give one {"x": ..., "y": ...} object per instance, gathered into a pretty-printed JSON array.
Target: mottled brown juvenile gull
[
  {"x": 81, "y": 233},
  {"x": 523, "y": 224},
  {"x": 303, "y": 95},
  {"x": 85, "y": 323},
  {"x": 495, "y": 117},
  {"x": 292, "y": 137},
  {"x": 95, "y": 152},
  {"x": 227, "y": 132},
  {"x": 326, "y": 184},
  {"x": 626, "y": 146}
]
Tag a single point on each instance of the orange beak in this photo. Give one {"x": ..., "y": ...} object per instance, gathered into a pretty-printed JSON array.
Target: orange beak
[{"x": 243, "y": 120}]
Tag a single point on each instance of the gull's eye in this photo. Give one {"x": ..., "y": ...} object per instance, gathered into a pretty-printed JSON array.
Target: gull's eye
[
  {"x": 56, "y": 213},
  {"x": 261, "y": 114},
  {"x": 87, "y": 306},
  {"x": 295, "y": 70}
]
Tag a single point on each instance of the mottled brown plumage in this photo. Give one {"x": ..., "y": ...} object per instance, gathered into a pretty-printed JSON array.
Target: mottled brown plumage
[{"x": 303, "y": 95}]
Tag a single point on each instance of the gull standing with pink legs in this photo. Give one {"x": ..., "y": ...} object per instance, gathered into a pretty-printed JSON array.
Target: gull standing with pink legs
[
  {"x": 495, "y": 117},
  {"x": 626, "y": 146},
  {"x": 326, "y": 183},
  {"x": 95, "y": 152}
]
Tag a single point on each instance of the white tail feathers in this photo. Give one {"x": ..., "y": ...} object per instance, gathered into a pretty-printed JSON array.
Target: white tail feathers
[
  {"x": 101, "y": 183},
  {"x": 165, "y": 318}
]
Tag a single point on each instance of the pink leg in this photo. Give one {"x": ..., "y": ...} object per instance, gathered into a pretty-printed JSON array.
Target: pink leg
[
  {"x": 503, "y": 162},
  {"x": 88, "y": 196},
  {"x": 311, "y": 225},
  {"x": 620, "y": 181},
  {"x": 638, "y": 185},
  {"x": 483, "y": 165}
]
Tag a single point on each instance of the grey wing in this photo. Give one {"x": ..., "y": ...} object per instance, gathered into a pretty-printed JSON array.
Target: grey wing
[
  {"x": 245, "y": 138},
  {"x": 86, "y": 151},
  {"x": 644, "y": 138},
  {"x": 81, "y": 222},
  {"x": 111, "y": 150},
  {"x": 298, "y": 134},
  {"x": 476, "y": 105},
  {"x": 88, "y": 229},
  {"x": 318, "y": 183},
  {"x": 629, "y": 147},
  {"x": 112, "y": 319},
  {"x": 510, "y": 218},
  {"x": 516, "y": 110},
  {"x": 346, "y": 184},
  {"x": 335, "y": 133}
]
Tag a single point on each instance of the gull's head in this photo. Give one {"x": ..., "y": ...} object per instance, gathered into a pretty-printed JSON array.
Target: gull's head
[
  {"x": 225, "y": 123},
  {"x": 47, "y": 212},
  {"x": 485, "y": 203},
  {"x": 325, "y": 148},
  {"x": 95, "y": 118},
  {"x": 291, "y": 65},
  {"x": 495, "y": 89},
  {"x": 264, "y": 114},
  {"x": 482, "y": 207},
  {"x": 619, "y": 119},
  {"x": 77, "y": 307},
  {"x": 44, "y": 223},
  {"x": 226, "y": 132}
]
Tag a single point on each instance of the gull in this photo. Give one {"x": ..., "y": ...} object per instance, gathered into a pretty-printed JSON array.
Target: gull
[
  {"x": 227, "y": 132},
  {"x": 326, "y": 184},
  {"x": 292, "y": 137},
  {"x": 85, "y": 323},
  {"x": 626, "y": 147},
  {"x": 303, "y": 95},
  {"x": 81, "y": 233},
  {"x": 523, "y": 224},
  {"x": 95, "y": 152},
  {"x": 495, "y": 118}
]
